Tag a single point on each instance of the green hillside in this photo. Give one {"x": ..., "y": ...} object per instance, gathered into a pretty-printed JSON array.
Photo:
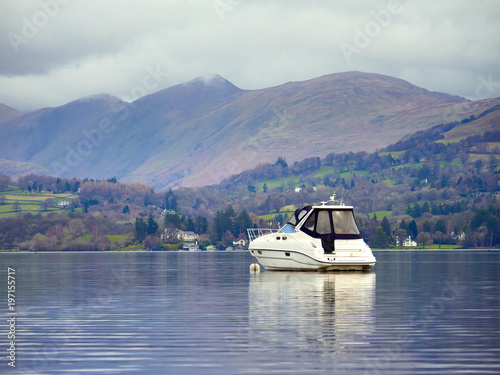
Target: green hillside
[
  {"x": 428, "y": 177},
  {"x": 440, "y": 190},
  {"x": 13, "y": 202},
  {"x": 201, "y": 132}
]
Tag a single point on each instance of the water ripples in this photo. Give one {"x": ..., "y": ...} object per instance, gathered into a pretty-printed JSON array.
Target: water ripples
[{"x": 179, "y": 313}]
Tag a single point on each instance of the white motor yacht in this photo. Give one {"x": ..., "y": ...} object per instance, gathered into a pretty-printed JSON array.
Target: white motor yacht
[{"x": 323, "y": 238}]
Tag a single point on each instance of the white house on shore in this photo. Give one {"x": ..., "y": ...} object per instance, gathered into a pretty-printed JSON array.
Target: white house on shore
[
  {"x": 409, "y": 242},
  {"x": 241, "y": 243},
  {"x": 63, "y": 203},
  {"x": 186, "y": 236}
]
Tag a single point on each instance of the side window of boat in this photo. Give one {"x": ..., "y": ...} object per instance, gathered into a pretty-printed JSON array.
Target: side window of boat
[
  {"x": 301, "y": 214},
  {"x": 310, "y": 222},
  {"x": 323, "y": 223},
  {"x": 343, "y": 222},
  {"x": 293, "y": 220}
]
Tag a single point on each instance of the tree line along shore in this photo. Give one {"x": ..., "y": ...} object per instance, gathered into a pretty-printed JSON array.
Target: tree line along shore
[{"x": 439, "y": 192}]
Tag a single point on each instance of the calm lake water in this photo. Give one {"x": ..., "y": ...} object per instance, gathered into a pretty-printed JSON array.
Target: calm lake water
[{"x": 416, "y": 312}]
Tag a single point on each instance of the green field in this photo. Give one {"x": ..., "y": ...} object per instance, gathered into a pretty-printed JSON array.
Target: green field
[
  {"x": 272, "y": 184},
  {"x": 113, "y": 239},
  {"x": 289, "y": 208},
  {"x": 443, "y": 247},
  {"x": 294, "y": 180},
  {"x": 272, "y": 216},
  {"x": 394, "y": 154},
  {"x": 447, "y": 141},
  {"x": 31, "y": 202},
  {"x": 389, "y": 182},
  {"x": 380, "y": 214},
  {"x": 323, "y": 171},
  {"x": 22, "y": 207}
]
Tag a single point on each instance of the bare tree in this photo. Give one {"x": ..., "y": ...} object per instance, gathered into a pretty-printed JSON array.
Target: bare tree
[
  {"x": 16, "y": 206},
  {"x": 424, "y": 238},
  {"x": 47, "y": 203}
]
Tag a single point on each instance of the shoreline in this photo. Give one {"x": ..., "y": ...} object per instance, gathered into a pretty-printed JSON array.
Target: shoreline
[
  {"x": 7, "y": 251},
  {"x": 114, "y": 251}
]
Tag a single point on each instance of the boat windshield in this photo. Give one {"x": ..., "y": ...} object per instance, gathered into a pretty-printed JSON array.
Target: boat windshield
[
  {"x": 287, "y": 229},
  {"x": 323, "y": 223},
  {"x": 298, "y": 216}
]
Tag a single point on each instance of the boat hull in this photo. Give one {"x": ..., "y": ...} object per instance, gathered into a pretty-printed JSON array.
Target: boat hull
[{"x": 291, "y": 260}]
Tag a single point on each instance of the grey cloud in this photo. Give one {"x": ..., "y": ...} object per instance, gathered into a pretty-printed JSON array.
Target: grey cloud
[{"x": 92, "y": 46}]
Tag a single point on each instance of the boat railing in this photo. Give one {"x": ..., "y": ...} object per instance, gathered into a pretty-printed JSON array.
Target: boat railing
[{"x": 254, "y": 233}]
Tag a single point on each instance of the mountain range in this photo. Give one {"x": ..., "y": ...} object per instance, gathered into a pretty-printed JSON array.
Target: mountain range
[{"x": 205, "y": 130}]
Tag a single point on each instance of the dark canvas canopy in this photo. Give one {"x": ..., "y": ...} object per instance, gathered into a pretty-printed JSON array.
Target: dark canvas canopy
[{"x": 328, "y": 224}]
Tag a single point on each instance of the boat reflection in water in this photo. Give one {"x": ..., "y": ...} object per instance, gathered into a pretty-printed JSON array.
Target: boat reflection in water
[{"x": 319, "y": 313}]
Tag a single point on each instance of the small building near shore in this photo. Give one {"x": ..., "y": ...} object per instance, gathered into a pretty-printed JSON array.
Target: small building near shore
[
  {"x": 409, "y": 242},
  {"x": 190, "y": 246},
  {"x": 241, "y": 243},
  {"x": 63, "y": 203},
  {"x": 187, "y": 236}
]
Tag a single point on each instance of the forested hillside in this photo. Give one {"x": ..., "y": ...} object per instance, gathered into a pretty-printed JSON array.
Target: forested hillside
[
  {"x": 438, "y": 186},
  {"x": 431, "y": 178}
]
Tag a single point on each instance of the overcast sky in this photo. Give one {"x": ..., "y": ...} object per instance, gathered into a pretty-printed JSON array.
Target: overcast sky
[{"x": 55, "y": 51}]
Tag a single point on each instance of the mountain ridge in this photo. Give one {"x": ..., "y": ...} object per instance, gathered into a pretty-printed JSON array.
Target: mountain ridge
[
  {"x": 202, "y": 131},
  {"x": 8, "y": 113}
]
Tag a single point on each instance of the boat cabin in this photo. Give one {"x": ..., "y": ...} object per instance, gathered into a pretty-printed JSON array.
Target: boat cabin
[{"x": 328, "y": 223}]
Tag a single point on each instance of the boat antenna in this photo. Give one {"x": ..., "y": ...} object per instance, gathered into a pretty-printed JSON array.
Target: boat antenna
[{"x": 342, "y": 197}]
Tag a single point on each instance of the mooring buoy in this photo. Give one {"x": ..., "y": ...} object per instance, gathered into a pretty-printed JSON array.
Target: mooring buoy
[{"x": 254, "y": 267}]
